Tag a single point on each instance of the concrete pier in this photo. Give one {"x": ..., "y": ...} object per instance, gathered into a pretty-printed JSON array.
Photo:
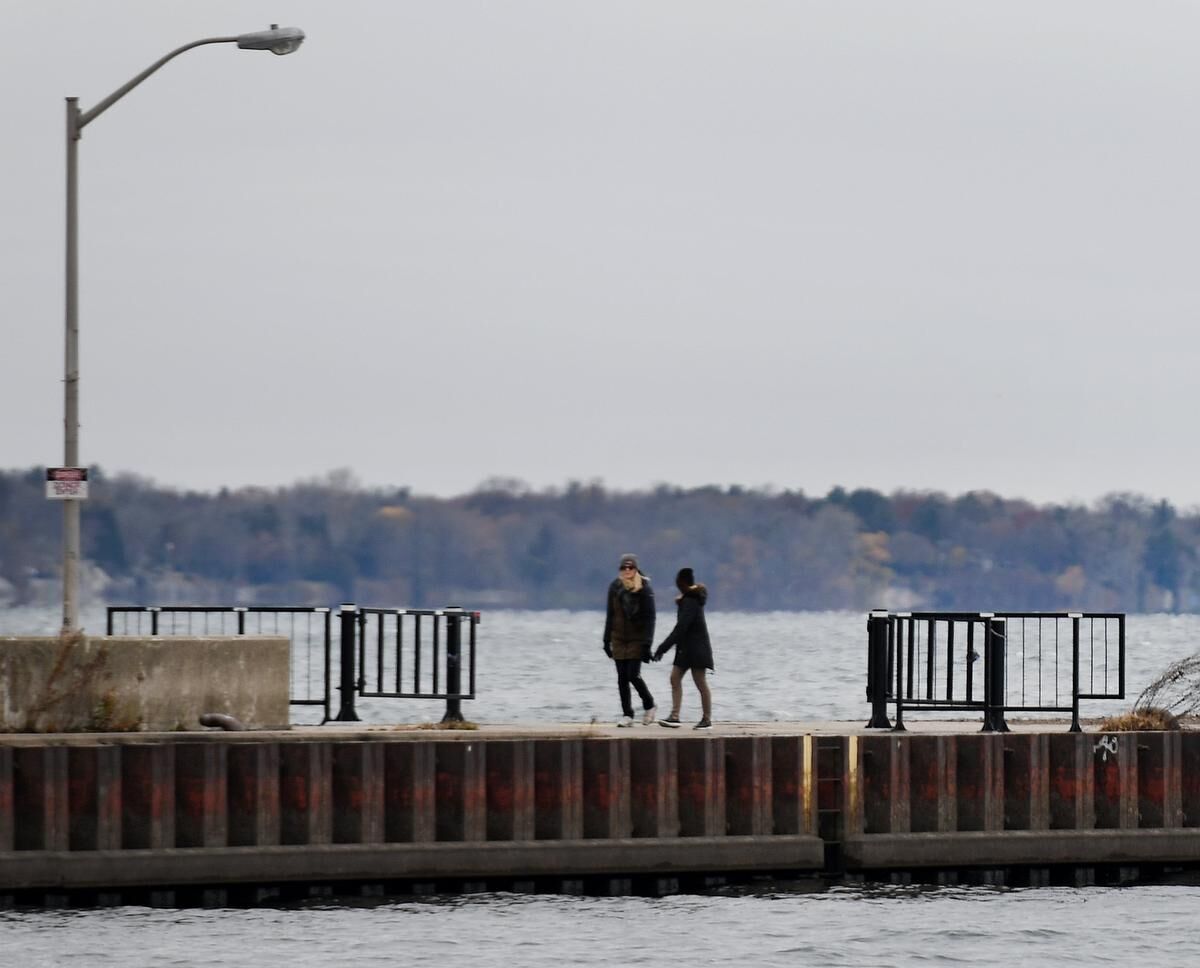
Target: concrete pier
[{"x": 596, "y": 808}]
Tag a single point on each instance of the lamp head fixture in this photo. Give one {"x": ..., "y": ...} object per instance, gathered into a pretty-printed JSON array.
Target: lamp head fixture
[{"x": 278, "y": 40}]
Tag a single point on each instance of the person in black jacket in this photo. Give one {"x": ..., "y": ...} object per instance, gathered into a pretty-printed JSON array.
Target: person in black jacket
[
  {"x": 628, "y": 634},
  {"x": 693, "y": 650}
]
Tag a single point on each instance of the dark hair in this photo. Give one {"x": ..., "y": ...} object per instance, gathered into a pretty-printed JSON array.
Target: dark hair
[{"x": 685, "y": 578}]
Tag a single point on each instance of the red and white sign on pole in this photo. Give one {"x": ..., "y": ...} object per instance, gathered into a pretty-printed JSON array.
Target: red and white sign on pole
[{"x": 66, "y": 483}]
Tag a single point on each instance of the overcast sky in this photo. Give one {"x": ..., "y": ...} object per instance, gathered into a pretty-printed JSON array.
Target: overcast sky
[{"x": 924, "y": 245}]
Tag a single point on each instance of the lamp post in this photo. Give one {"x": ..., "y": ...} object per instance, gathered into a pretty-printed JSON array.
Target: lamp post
[{"x": 278, "y": 40}]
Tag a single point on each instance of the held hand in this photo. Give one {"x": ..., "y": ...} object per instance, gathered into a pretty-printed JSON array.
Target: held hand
[{"x": 608, "y": 650}]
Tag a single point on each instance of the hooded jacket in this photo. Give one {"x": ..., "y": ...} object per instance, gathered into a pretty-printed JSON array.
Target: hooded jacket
[{"x": 693, "y": 650}]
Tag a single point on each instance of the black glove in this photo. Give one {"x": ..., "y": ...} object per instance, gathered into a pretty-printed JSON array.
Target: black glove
[
  {"x": 646, "y": 652},
  {"x": 608, "y": 650},
  {"x": 658, "y": 654}
]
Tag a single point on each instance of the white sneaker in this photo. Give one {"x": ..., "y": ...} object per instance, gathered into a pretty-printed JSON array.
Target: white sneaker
[
  {"x": 625, "y": 721},
  {"x": 651, "y": 713}
]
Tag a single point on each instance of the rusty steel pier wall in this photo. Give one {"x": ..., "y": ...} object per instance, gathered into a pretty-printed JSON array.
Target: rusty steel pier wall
[
  {"x": 989, "y": 803},
  {"x": 381, "y": 810}
]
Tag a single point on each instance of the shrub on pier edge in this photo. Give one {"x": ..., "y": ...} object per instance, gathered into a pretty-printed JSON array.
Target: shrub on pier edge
[{"x": 1149, "y": 719}]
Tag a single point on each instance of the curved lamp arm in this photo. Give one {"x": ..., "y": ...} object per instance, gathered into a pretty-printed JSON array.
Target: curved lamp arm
[
  {"x": 125, "y": 88},
  {"x": 277, "y": 40}
]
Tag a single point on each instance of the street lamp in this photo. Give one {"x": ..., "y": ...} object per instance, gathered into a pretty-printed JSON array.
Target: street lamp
[{"x": 278, "y": 40}]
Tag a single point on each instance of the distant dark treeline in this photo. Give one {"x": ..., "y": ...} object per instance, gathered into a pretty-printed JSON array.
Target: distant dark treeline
[{"x": 506, "y": 545}]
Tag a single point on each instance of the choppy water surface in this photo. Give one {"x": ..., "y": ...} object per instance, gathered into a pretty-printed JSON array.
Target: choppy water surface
[
  {"x": 548, "y": 667},
  {"x": 855, "y": 927}
]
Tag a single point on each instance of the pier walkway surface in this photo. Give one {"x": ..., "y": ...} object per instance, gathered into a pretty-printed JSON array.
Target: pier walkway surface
[
  {"x": 245, "y": 816},
  {"x": 436, "y": 732}
]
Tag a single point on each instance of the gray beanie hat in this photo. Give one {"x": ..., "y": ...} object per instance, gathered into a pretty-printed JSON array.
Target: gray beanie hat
[{"x": 629, "y": 560}]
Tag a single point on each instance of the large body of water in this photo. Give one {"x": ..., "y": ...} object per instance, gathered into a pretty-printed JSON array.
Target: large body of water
[
  {"x": 548, "y": 667},
  {"x": 863, "y": 928}
]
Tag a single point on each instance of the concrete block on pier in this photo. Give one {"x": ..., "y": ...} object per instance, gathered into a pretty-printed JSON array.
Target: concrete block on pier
[{"x": 134, "y": 683}]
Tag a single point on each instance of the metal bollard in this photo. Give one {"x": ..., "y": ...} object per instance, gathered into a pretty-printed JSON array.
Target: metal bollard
[
  {"x": 348, "y": 616},
  {"x": 454, "y": 615},
  {"x": 877, "y": 669},
  {"x": 993, "y": 677}
]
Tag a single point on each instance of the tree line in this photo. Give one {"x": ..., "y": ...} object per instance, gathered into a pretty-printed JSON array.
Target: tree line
[{"x": 507, "y": 545}]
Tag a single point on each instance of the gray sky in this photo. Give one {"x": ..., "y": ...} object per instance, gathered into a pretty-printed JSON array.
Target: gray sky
[{"x": 930, "y": 245}]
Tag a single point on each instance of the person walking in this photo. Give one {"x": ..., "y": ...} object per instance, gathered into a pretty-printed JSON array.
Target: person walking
[
  {"x": 628, "y": 635},
  {"x": 693, "y": 650}
]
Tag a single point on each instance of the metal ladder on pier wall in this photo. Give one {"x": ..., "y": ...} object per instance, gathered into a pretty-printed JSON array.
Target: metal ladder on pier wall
[{"x": 831, "y": 798}]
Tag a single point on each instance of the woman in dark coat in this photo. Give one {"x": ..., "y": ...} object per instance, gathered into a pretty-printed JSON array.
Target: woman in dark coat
[
  {"x": 628, "y": 634},
  {"x": 693, "y": 650}
]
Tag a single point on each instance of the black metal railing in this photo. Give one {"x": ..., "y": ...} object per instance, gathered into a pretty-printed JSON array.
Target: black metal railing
[
  {"x": 390, "y": 653},
  {"x": 417, "y": 653},
  {"x": 308, "y": 628},
  {"x": 993, "y": 662}
]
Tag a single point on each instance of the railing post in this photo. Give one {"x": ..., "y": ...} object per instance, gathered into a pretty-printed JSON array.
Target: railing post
[
  {"x": 972, "y": 657},
  {"x": 454, "y": 616},
  {"x": 1076, "y": 617},
  {"x": 327, "y": 645},
  {"x": 877, "y": 666},
  {"x": 1121, "y": 660},
  {"x": 348, "y": 616},
  {"x": 899, "y": 653},
  {"x": 474, "y": 624},
  {"x": 993, "y": 675}
]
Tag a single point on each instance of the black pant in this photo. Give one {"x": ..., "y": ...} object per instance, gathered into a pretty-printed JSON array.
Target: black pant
[{"x": 630, "y": 671}]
